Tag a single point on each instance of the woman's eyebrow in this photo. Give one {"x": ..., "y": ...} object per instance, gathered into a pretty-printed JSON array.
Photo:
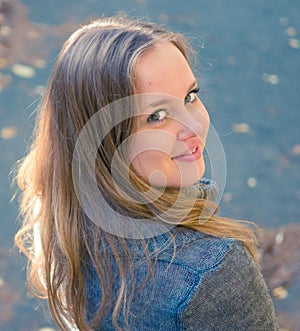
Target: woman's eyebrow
[{"x": 193, "y": 85}]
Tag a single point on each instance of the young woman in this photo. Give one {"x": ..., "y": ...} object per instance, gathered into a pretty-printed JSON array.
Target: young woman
[{"x": 120, "y": 232}]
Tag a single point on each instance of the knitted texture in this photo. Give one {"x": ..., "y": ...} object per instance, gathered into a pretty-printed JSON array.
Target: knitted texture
[
  {"x": 231, "y": 297},
  {"x": 203, "y": 189},
  {"x": 197, "y": 282}
]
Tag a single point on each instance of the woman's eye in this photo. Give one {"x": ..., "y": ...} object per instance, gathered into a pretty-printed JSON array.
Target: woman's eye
[
  {"x": 191, "y": 96},
  {"x": 157, "y": 116}
]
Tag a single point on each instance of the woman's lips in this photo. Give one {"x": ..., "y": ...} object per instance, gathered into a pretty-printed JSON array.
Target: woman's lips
[{"x": 190, "y": 155}]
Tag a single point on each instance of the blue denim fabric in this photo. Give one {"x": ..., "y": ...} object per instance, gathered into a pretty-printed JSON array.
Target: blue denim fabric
[{"x": 204, "y": 283}]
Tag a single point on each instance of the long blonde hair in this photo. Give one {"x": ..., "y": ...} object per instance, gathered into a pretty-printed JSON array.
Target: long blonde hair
[{"x": 95, "y": 68}]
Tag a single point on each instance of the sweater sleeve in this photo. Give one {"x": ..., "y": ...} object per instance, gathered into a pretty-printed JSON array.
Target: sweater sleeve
[{"x": 233, "y": 296}]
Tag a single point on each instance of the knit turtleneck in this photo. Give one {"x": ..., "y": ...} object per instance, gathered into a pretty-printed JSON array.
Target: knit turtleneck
[{"x": 203, "y": 189}]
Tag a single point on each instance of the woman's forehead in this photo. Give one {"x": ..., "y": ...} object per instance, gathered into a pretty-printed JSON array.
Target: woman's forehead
[{"x": 164, "y": 70}]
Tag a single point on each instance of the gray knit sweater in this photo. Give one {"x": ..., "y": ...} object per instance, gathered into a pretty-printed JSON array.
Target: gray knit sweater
[
  {"x": 208, "y": 284},
  {"x": 197, "y": 282}
]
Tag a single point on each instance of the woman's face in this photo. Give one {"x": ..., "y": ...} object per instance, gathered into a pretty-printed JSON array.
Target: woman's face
[{"x": 167, "y": 148}]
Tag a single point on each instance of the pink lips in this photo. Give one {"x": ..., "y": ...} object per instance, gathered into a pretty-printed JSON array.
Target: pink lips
[{"x": 189, "y": 156}]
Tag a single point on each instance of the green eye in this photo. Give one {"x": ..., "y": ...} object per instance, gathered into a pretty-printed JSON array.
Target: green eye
[
  {"x": 191, "y": 96},
  {"x": 158, "y": 116}
]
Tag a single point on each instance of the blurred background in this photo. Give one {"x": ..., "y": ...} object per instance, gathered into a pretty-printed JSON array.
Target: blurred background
[{"x": 249, "y": 65}]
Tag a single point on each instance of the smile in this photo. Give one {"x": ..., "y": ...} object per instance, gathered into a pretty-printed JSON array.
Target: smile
[{"x": 191, "y": 156}]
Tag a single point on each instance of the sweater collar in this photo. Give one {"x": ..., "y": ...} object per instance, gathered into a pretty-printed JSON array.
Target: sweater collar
[{"x": 203, "y": 189}]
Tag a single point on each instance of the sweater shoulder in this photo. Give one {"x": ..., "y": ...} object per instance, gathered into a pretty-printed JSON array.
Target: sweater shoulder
[
  {"x": 233, "y": 295},
  {"x": 197, "y": 251}
]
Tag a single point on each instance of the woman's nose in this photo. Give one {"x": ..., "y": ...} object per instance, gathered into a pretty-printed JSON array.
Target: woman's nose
[
  {"x": 187, "y": 133},
  {"x": 191, "y": 127},
  {"x": 194, "y": 121}
]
